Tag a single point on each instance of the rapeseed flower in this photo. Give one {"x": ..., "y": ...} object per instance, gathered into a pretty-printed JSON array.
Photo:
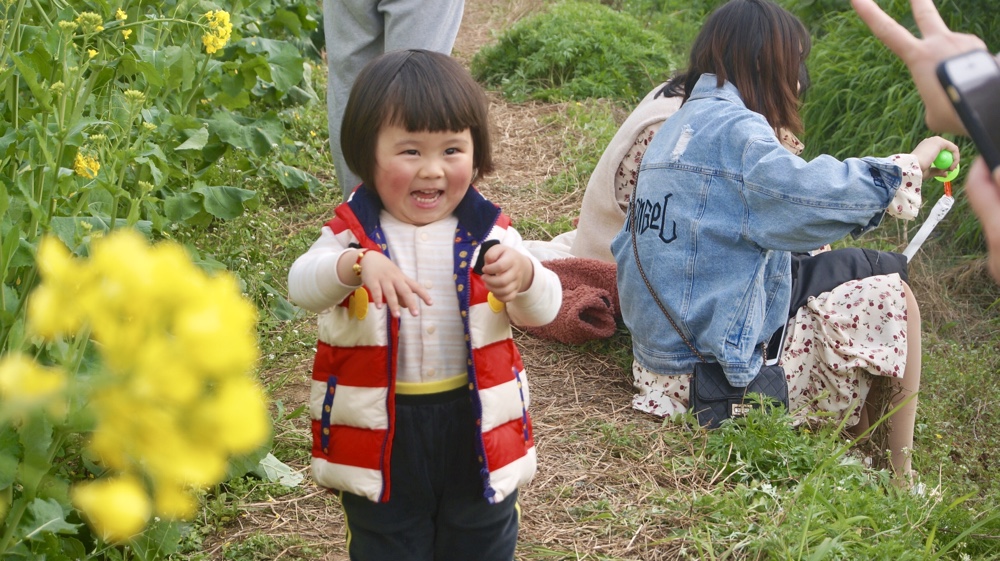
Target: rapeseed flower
[
  {"x": 220, "y": 29},
  {"x": 120, "y": 15},
  {"x": 126, "y": 33},
  {"x": 118, "y": 508},
  {"x": 86, "y": 166},
  {"x": 26, "y": 385},
  {"x": 89, "y": 22},
  {"x": 176, "y": 398}
]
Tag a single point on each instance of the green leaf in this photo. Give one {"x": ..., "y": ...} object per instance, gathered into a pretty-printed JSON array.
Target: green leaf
[
  {"x": 260, "y": 135},
  {"x": 159, "y": 540},
  {"x": 294, "y": 178},
  {"x": 35, "y": 436},
  {"x": 180, "y": 208},
  {"x": 272, "y": 469},
  {"x": 170, "y": 68},
  {"x": 196, "y": 141},
  {"x": 226, "y": 202},
  {"x": 46, "y": 516},
  {"x": 41, "y": 94},
  {"x": 6, "y": 141},
  {"x": 266, "y": 134},
  {"x": 68, "y": 230},
  {"x": 279, "y": 306},
  {"x": 10, "y": 454},
  {"x": 283, "y": 60}
]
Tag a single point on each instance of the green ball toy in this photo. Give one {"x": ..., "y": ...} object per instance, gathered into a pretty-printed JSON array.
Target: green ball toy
[{"x": 943, "y": 161}]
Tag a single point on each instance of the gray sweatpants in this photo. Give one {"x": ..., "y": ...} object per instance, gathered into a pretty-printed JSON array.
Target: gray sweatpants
[{"x": 359, "y": 30}]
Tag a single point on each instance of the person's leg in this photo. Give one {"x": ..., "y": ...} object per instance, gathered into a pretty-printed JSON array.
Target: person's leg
[
  {"x": 354, "y": 36},
  {"x": 901, "y": 428},
  {"x": 415, "y": 24},
  {"x": 467, "y": 525},
  {"x": 403, "y": 527},
  {"x": 387, "y": 531}
]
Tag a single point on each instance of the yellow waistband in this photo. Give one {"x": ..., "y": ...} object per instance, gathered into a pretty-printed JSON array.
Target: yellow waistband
[{"x": 423, "y": 388}]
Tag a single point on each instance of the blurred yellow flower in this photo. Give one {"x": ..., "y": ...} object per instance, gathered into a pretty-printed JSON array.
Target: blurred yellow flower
[
  {"x": 91, "y": 53},
  {"x": 26, "y": 385},
  {"x": 117, "y": 508},
  {"x": 175, "y": 503},
  {"x": 86, "y": 166},
  {"x": 176, "y": 398},
  {"x": 220, "y": 29},
  {"x": 120, "y": 15},
  {"x": 126, "y": 33}
]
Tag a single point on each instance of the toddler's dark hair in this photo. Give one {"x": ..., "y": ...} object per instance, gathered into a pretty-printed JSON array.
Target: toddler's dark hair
[{"x": 418, "y": 90}]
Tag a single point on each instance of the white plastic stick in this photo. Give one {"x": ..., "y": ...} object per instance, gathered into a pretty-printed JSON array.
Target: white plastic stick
[{"x": 937, "y": 213}]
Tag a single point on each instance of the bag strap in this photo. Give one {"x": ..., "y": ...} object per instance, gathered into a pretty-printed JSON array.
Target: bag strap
[{"x": 649, "y": 286}]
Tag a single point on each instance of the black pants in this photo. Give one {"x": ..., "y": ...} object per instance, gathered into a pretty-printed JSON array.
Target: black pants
[{"x": 436, "y": 509}]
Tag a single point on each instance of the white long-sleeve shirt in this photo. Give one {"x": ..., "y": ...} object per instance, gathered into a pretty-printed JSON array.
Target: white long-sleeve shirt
[{"x": 431, "y": 345}]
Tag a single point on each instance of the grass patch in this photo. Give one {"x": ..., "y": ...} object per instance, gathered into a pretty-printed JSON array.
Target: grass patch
[{"x": 573, "y": 51}]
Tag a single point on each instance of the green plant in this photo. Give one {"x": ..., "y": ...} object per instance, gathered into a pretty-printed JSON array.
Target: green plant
[
  {"x": 865, "y": 84},
  {"x": 575, "y": 50}
]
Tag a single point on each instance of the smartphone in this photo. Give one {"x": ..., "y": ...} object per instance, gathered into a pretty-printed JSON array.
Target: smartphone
[{"x": 972, "y": 82}]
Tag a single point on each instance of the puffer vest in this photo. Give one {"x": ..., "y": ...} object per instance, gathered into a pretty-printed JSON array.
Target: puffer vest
[{"x": 352, "y": 402}]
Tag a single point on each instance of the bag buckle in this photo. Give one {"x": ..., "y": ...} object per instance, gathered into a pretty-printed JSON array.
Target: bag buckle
[{"x": 738, "y": 409}]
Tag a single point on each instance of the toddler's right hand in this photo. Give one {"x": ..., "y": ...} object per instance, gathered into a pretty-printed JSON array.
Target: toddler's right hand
[
  {"x": 384, "y": 279},
  {"x": 927, "y": 151}
]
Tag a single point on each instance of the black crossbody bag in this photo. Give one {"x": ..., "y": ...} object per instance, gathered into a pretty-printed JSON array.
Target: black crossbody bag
[{"x": 713, "y": 399}]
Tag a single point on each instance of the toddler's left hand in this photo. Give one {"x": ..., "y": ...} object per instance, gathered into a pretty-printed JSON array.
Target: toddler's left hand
[{"x": 507, "y": 272}]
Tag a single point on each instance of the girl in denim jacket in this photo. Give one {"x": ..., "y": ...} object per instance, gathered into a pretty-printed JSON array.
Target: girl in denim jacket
[{"x": 719, "y": 207}]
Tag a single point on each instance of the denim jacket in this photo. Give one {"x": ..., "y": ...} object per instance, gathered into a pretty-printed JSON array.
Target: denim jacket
[{"x": 719, "y": 206}]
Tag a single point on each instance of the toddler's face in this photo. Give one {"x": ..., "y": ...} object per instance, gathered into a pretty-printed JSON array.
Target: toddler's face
[{"x": 422, "y": 176}]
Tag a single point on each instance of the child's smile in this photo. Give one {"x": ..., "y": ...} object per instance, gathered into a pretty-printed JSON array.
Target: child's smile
[{"x": 422, "y": 176}]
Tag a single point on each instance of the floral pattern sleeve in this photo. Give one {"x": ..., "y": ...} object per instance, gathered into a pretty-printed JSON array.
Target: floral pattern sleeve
[
  {"x": 906, "y": 203},
  {"x": 628, "y": 170}
]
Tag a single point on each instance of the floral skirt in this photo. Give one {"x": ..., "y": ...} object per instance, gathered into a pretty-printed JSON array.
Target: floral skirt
[{"x": 834, "y": 346}]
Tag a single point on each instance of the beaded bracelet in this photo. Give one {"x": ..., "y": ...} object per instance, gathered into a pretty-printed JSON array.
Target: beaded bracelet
[{"x": 356, "y": 267}]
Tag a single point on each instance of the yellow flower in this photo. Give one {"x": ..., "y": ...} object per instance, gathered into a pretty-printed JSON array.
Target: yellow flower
[
  {"x": 176, "y": 397},
  {"x": 53, "y": 308},
  {"x": 175, "y": 502},
  {"x": 86, "y": 166},
  {"x": 89, "y": 22},
  {"x": 27, "y": 385},
  {"x": 219, "y": 31},
  {"x": 117, "y": 508},
  {"x": 126, "y": 33},
  {"x": 120, "y": 15},
  {"x": 92, "y": 53}
]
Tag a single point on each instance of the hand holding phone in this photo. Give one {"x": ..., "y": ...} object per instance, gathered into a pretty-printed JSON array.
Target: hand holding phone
[{"x": 972, "y": 82}]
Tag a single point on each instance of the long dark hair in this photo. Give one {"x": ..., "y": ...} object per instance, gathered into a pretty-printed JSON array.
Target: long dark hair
[{"x": 761, "y": 49}]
